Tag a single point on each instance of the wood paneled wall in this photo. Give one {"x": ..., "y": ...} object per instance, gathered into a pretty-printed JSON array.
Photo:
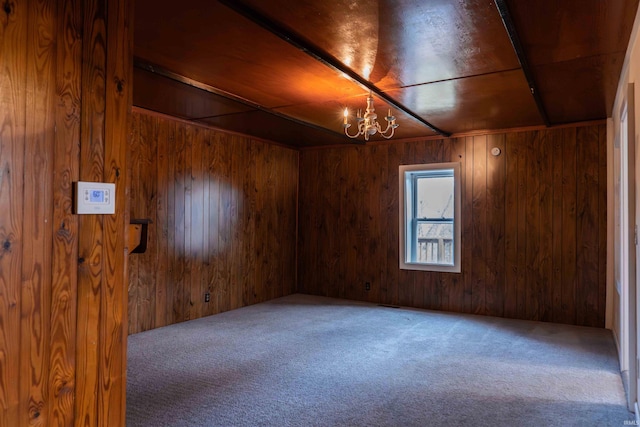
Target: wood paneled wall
[
  {"x": 533, "y": 233},
  {"x": 65, "y": 99},
  {"x": 223, "y": 209}
]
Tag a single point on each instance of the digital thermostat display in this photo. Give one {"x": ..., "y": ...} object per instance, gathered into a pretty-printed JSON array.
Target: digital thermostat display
[{"x": 95, "y": 198}]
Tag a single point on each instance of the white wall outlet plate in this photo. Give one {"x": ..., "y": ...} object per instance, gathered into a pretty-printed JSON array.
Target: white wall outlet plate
[{"x": 95, "y": 198}]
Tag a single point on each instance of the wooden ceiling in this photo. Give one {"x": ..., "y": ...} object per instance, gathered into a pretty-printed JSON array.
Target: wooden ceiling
[{"x": 285, "y": 70}]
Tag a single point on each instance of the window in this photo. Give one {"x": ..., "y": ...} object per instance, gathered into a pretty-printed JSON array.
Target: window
[{"x": 430, "y": 217}]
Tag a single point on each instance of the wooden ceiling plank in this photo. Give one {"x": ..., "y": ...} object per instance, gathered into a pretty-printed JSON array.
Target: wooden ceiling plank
[
  {"x": 156, "y": 69},
  {"x": 489, "y": 101},
  {"x": 320, "y": 55}
]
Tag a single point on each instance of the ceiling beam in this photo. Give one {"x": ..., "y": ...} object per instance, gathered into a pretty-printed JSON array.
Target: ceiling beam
[
  {"x": 319, "y": 54},
  {"x": 505, "y": 15}
]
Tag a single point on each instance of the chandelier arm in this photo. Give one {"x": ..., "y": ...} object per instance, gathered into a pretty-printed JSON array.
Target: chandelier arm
[
  {"x": 390, "y": 128},
  {"x": 388, "y": 136},
  {"x": 346, "y": 132},
  {"x": 360, "y": 131}
]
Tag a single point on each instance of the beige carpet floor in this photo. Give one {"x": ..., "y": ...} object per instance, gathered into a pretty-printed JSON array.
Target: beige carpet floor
[{"x": 312, "y": 361}]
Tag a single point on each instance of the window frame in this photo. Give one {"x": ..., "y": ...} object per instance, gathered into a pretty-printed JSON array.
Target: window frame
[{"x": 408, "y": 221}]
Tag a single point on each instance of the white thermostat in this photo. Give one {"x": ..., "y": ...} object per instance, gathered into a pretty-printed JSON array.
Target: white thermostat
[{"x": 95, "y": 198}]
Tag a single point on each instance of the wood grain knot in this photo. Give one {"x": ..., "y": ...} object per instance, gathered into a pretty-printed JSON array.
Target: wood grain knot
[
  {"x": 36, "y": 414},
  {"x": 80, "y": 260},
  {"x": 7, "y": 7},
  {"x": 6, "y": 245},
  {"x": 117, "y": 172},
  {"x": 119, "y": 85}
]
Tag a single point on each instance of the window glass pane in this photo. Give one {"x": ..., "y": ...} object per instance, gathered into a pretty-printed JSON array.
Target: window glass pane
[{"x": 435, "y": 197}]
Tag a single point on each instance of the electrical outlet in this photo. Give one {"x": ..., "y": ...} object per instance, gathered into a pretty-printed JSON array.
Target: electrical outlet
[
  {"x": 367, "y": 286},
  {"x": 207, "y": 297}
]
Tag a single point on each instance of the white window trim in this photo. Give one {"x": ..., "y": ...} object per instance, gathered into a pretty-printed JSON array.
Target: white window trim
[{"x": 457, "y": 218}]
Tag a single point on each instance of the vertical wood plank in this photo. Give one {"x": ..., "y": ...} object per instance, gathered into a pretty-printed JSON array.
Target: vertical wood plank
[
  {"x": 392, "y": 230},
  {"x": 305, "y": 220},
  {"x": 324, "y": 222},
  {"x": 190, "y": 134},
  {"x": 65, "y": 224},
  {"x": 13, "y": 62},
  {"x": 557, "y": 256},
  {"x": 376, "y": 270},
  {"x": 145, "y": 169},
  {"x": 161, "y": 225},
  {"x": 334, "y": 269},
  {"x": 531, "y": 226},
  {"x": 277, "y": 223},
  {"x": 196, "y": 221},
  {"x": 214, "y": 214},
  {"x": 336, "y": 178},
  {"x": 546, "y": 221},
  {"x": 273, "y": 240},
  {"x": 602, "y": 225},
  {"x": 365, "y": 182},
  {"x": 456, "y": 287},
  {"x": 172, "y": 138},
  {"x": 495, "y": 241},
  {"x": 35, "y": 298},
  {"x": 262, "y": 223},
  {"x": 178, "y": 243},
  {"x": 511, "y": 225},
  {"x": 587, "y": 199},
  {"x": 91, "y": 235},
  {"x": 479, "y": 224},
  {"x": 203, "y": 269},
  {"x": 569, "y": 226},
  {"x": 379, "y": 202},
  {"x": 224, "y": 224},
  {"x": 283, "y": 223},
  {"x": 292, "y": 198},
  {"x": 467, "y": 225},
  {"x": 241, "y": 271},
  {"x": 113, "y": 315},
  {"x": 351, "y": 201},
  {"x": 524, "y": 163}
]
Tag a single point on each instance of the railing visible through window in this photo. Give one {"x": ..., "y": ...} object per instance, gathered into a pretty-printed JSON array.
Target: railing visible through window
[
  {"x": 435, "y": 251},
  {"x": 435, "y": 241}
]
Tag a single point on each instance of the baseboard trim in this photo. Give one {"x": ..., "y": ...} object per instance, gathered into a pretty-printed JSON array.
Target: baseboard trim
[{"x": 616, "y": 340}]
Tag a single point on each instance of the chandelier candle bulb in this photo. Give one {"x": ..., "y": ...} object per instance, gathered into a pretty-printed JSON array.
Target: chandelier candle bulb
[{"x": 346, "y": 114}]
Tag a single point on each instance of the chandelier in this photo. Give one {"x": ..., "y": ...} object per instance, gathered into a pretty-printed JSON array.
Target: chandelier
[{"x": 368, "y": 124}]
